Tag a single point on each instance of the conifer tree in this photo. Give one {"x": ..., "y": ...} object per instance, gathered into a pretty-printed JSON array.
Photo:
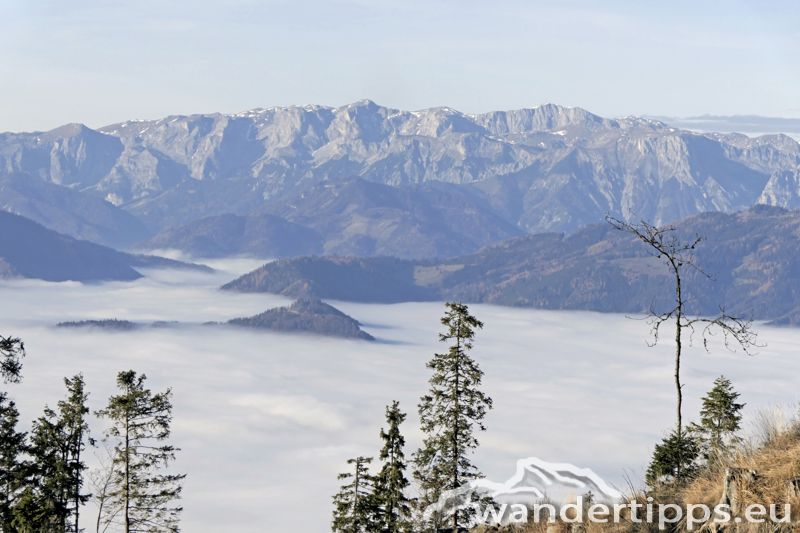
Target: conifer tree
[
  {"x": 52, "y": 499},
  {"x": 719, "y": 418},
  {"x": 674, "y": 460},
  {"x": 12, "y": 442},
  {"x": 30, "y": 516},
  {"x": 12, "y": 350},
  {"x": 43, "y": 506},
  {"x": 141, "y": 497},
  {"x": 73, "y": 413},
  {"x": 451, "y": 411},
  {"x": 355, "y": 507},
  {"x": 12, "y": 468},
  {"x": 391, "y": 483}
]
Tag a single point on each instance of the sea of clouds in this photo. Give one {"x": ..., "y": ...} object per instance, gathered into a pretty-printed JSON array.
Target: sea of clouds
[{"x": 266, "y": 421}]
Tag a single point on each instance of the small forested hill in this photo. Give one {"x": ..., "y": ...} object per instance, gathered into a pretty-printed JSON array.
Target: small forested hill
[
  {"x": 224, "y": 235},
  {"x": 306, "y": 316},
  {"x": 373, "y": 279},
  {"x": 29, "y": 250},
  {"x": 111, "y": 324},
  {"x": 754, "y": 254}
]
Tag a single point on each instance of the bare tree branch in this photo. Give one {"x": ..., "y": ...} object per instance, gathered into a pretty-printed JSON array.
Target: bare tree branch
[{"x": 734, "y": 328}]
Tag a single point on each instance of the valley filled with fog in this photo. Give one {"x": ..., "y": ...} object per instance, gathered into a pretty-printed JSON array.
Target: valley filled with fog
[{"x": 266, "y": 420}]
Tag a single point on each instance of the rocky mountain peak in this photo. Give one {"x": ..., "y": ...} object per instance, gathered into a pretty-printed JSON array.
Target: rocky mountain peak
[{"x": 543, "y": 168}]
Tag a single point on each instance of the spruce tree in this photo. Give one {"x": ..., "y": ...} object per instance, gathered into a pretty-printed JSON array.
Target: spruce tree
[
  {"x": 720, "y": 418},
  {"x": 43, "y": 506},
  {"x": 52, "y": 498},
  {"x": 674, "y": 460},
  {"x": 12, "y": 467},
  {"x": 12, "y": 350},
  {"x": 30, "y": 516},
  {"x": 391, "y": 483},
  {"x": 12, "y": 443},
  {"x": 73, "y": 413},
  {"x": 141, "y": 498},
  {"x": 451, "y": 411},
  {"x": 355, "y": 506}
]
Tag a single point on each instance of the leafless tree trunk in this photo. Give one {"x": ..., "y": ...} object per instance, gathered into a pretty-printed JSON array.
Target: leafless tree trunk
[{"x": 127, "y": 477}]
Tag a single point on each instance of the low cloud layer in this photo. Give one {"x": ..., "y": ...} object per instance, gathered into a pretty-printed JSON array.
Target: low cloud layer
[
  {"x": 266, "y": 421},
  {"x": 750, "y": 125}
]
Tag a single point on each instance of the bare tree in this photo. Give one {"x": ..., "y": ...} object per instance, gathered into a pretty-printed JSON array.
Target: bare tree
[
  {"x": 103, "y": 484},
  {"x": 679, "y": 256}
]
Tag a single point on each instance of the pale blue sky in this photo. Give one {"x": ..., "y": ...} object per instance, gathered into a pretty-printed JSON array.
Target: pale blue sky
[{"x": 103, "y": 61}]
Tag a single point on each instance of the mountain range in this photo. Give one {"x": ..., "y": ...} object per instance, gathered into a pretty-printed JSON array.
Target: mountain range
[
  {"x": 753, "y": 255},
  {"x": 544, "y": 169}
]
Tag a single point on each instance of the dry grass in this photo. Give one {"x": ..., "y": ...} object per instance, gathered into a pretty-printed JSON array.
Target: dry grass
[{"x": 772, "y": 450}]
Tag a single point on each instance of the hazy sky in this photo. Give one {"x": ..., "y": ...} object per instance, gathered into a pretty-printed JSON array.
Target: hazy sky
[
  {"x": 266, "y": 421},
  {"x": 102, "y": 61}
]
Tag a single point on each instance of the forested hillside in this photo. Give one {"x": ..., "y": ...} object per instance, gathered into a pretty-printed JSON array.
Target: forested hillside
[
  {"x": 28, "y": 250},
  {"x": 754, "y": 254}
]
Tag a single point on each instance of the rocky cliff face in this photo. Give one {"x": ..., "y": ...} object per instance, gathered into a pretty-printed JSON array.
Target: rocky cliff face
[{"x": 549, "y": 168}]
